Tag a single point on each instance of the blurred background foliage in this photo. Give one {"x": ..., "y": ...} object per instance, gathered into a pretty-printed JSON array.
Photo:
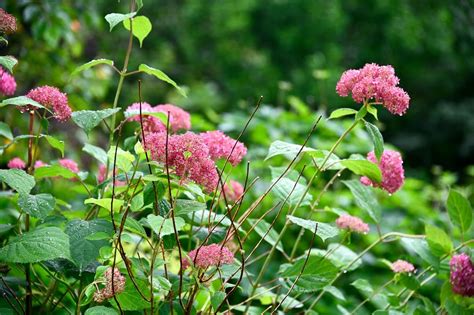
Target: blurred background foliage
[{"x": 227, "y": 53}]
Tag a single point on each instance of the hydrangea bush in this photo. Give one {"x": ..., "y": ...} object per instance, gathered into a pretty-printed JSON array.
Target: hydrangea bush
[{"x": 165, "y": 219}]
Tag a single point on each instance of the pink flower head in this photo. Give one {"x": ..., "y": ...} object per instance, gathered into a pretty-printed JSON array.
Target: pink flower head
[
  {"x": 150, "y": 123},
  {"x": 223, "y": 147},
  {"x": 462, "y": 275},
  {"x": 69, "y": 164},
  {"x": 101, "y": 176},
  {"x": 210, "y": 255},
  {"x": 7, "y": 22},
  {"x": 374, "y": 82},
  {"x": 110, "y": 290},
  {"x": 50, "y": 97},
  {"x": 351, "y": 223},
  {"x": 188, "y": 157},
  {"x": 16, "y": 163},
  {"x": 39, "y": 164},
  {"x": 7, "y": 83},
  {"x": 402, "y": 266},
  {"x": 391, "y": 166},
  {"x": 233, "y": 191},
  {"x": 179, "y": 119}
]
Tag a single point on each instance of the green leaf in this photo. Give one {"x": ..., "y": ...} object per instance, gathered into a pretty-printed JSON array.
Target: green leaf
[
  {"x": 373, "y": 111},
  {"x": 332, "y": 162},
  {"x": 160, "y": 75},
  {"x": 271, "y": 237},
  {"x": 38, "y": 206},
  {"x": 202, "y": 217},
  {"x": 54, "y": 171},
  {"x": 365, "y": 198},
  {"x": 317, "y": 274},
  {"x": 216, "y": 299},
  {"x": 361, "y": 113},
  {"x": 141, "y": 27},
  {"x": 55, "y": 143},
  {"x": 183, "y": 206},
  {"x": 409, "y": 281},
  {"x": 459, "y": 210},
  {"x": 116, "y": 18},
  {"x": 83, "y": 250},
  {"x": 324, "y": 231},
  {"x": 438, "y": 240},
  {"x": 89, "y": 119},
  {"x": 101, "y": 310},
  {"x": 8, "y": 62},
  {"x": 130, "y": 299},
  {"x": 5, "y": 131},
  {"x": 377, "y": 139},
  {"x": 131, "y": 225},
  {"x": 20, "y": 101},
  {"x": 91, "y": 64},
  {"x": 285, "y": 186},
  {"x": 364, "y": 168},
  {"x": 124, "y": 160},
  {"x": 289, "y": 150},
  {"x": 38, "y": 245},
  {"x": 18, "y": 180},
  {"x": 419, "y": 247},
  {"x": 105, "y": 203},
  {"x": 342, "y": 112},
  {"x": 98, "y": 153},
  {"x": 340, "y": 255},
  {"x": 379, "y": 300},
  {"x": 162, "y": 226}
]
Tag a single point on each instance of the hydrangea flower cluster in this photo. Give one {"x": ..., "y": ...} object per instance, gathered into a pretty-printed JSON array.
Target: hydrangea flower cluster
[
  {"x": 52, "y": 98},
  {"x": 233, "y": 191},
  {"x": 179, "y": 119},
  {"x": 209, "y": 255},
  {"x": 462, "y": 275},
  {"x": 7, "y": 22},
  {"x": 402, "y": 266},
  {"x": 351, "y": 223},
  {"x": 69, "y": 164},
  {"x": 16, "y": 163},
  {"x": 188, "y": 157},
  {"x": 223, "y": 147},
  {"x": 391, "y": 166},
  {"x": 7, "y": 83},
  {"x": 109, "y": 290},
  {"x": 374, "y": 82}
]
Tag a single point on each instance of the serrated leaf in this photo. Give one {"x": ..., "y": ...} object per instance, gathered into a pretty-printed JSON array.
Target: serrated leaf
[
  {"x": 365, "y": 198},
  {"x": 91, "y": 64},
  {"x": 316, "y": 275},
  {"x": 184, "y": 206},
  {"x": 289, "y": 150},
  {"x": 55, "y": 143},
  {"x": 83, "y": 250},
  {"x": 272, "y": 236},
  {"x": 324, "y": 231},
  {"x": 124, "y": 160},
  {"x": 341, "y": 112},
  {"x": 286, "y": 186},
  {"x": 116, "y": 18},
  {"x": 8, "y": 62},
  {"x": 5, "y": 131},
  {"x": 18, "y": 180},
  {"x": 364, "y": 168},
  {"x": 54, "y": 171},
  {"x": 438, "y": 240},
  {"x": 105, "y": 203},
  {"x": 38, "y": 245},
  {"x": 162, "y": 226},
  {"x": 459, "y": 210},
  {"x": 130, "y": 299},
  {"x": 377, "y": 139},
  {"x": 20, "y": 101},
  {"x": 98, "y": 153},
  {"x": 160, "y": 75},
  {"x": 89, "y": 119},
  {"x": 38, "y": 206},
  {"x": 101, "y": 310},
  {"x": 141, "y": 27}
]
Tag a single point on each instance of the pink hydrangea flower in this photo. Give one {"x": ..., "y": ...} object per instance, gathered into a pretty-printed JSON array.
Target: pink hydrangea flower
[
  {"x": 374, "y": 82},
  {"x": 7, "y": 83},
  {"x": 16, "y": 163},
  {"x": 7, "y": 22},
  {"x": 39, "y": 164},
  {"x": 150, "y": 123},
  {"x": 69, "y": 164},
  {"x": 222, "y": 147},
  {"x": 188, "y": 157},
  {"x": 50, "y": 97},
  {"x": 233, "y": 191},
  {"x": 351, "y": 223},
  {"x": 402, "y": 266},
  {"x": 391, "y": 166},
  {"x": 110, "y": 290},
  {"x": 210, "y": 255},
  {"x": 462, "y": 275},
  {"x": 179, "y": 118}
]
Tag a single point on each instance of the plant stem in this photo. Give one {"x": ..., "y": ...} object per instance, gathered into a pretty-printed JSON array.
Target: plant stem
[{"x": 29, "y": 168}]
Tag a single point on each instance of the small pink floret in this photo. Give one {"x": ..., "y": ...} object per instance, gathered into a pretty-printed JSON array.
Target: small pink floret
[
  {"x": 352, "y": 223},
  {"x": 209, "y": 255},
  {"x": 402, "y": 266},
  {"x": 69, "y": 164},
  {"x": 391, "y": 166},
  {"x": 16, "y": 163}
]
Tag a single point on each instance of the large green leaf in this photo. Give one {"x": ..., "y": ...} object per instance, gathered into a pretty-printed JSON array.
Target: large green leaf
[
  {"x": 324, "y": 231},
  {"x": 160, "y": 75},
  {"x": 316, "y": 275},
  {"x": 8, "y": 62},
  {"x": 54, "y": 171},
  {"x": 364, "y": 168},
  {"x": 130, "y": 299},
  {"x": 184, "y": 206},
  {"x": 38, "y": 245},
  {"x": 91, "y": 64},
  {"x": 162, "y": 226},
  {"x": 124, "y": 159},
  {"x": 141, "y": 27},
  {"x": 289, "y": 150},
  {"x": 365, "y": 198},
  {"x": 115, "y": 18},
  {"x": 101, "y": 310},
  {"x": 272, "y": 236},
  {"x": 17, "y": 179},
  {"x": 459, "y": 210},
  {"x": 96, "y": 152},
  {"x": 377, "y": 139},
  {"x": 438, "y": 240},
  {"x": 105, "y": 203},
  {"x": 38, "y": 206},
  {"x": 89, "y": 119},
  {"x": 84, "y": 250},
  {"x": 286, "y": 186},
  {"x": 20, "y": 101}
]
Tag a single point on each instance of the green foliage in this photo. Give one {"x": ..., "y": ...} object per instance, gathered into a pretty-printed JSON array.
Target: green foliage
[
  {"x": 161, "y": 76},
  {"x": 141, "y": 27},
  {"x": 91, "y": 64},
  {"x": 89, "y": 119},
  {"x": 18, "y": 180},
  {"x": 459, "y": 210},
  {"x": 38, "y": 206}
]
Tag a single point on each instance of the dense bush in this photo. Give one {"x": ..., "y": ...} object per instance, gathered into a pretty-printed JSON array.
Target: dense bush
[{"x": 297, "y": 212}]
